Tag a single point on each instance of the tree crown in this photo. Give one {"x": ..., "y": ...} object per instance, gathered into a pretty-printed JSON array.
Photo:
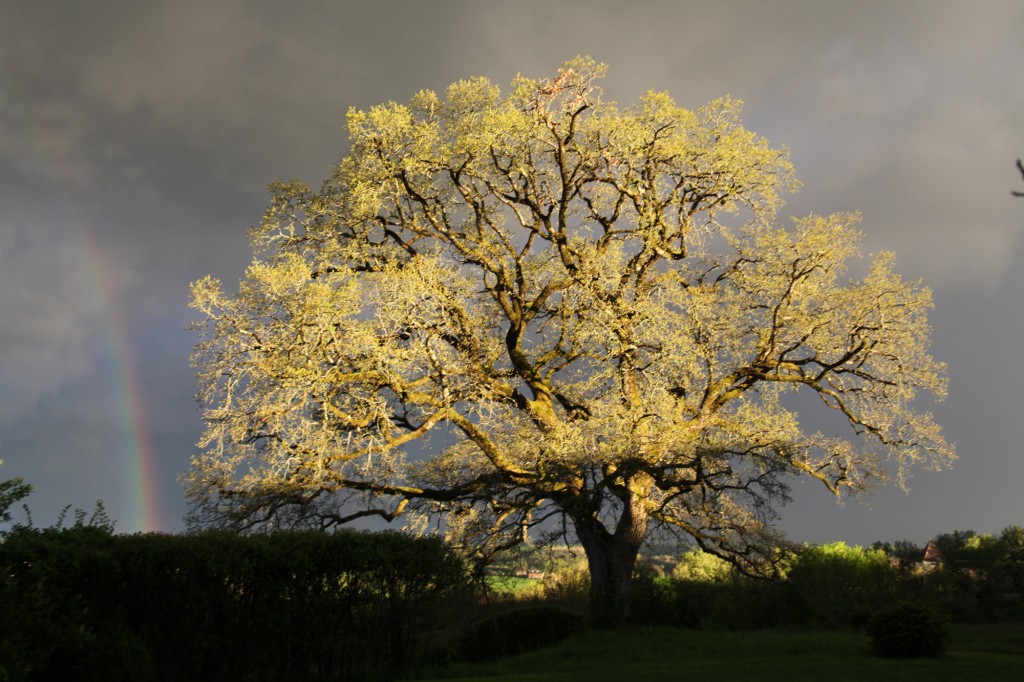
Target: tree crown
[{"x": 508, "y": 308}]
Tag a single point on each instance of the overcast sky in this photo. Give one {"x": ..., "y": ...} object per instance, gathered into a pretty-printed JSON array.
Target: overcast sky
[{"x": 137, "y": 140}]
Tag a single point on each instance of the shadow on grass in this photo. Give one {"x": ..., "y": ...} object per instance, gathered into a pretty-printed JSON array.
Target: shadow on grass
[{"x": 980, "y": 652}]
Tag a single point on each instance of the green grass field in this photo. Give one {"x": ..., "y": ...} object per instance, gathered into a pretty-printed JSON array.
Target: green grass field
[
  {"x": 511, "y": 585},
  {"x": 983, "y": 652}
]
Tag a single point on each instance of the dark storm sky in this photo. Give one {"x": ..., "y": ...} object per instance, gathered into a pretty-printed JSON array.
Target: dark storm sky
[{"x": 137, "y": 140}]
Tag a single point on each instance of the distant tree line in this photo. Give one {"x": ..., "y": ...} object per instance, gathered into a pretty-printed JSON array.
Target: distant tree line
[
  {"x": 981, "y": 578},
  {"x": 835, "y": 585}
]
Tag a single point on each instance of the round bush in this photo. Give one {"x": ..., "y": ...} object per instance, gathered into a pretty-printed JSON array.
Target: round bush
[
  {"x": 908, "y": 630},
  {"x": 514, "y": 632}
]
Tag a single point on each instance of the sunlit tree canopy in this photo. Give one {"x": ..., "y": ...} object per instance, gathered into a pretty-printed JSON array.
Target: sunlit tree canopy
[{"x": 541, "y": 309}]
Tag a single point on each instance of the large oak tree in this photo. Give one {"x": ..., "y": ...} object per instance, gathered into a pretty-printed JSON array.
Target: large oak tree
[{"x": 544, "y": 313}]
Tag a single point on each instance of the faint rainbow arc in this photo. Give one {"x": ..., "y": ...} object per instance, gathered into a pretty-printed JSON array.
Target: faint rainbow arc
[
  {"x": 138, "y": 449},
  {"x": 130, "y": 396}
]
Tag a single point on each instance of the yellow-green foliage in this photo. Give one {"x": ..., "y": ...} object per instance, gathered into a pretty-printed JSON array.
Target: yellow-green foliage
[
  {"x": 508, "y": 308},
  {"x": 11, "y": 491},
  {"x": 699, "y": 566}
]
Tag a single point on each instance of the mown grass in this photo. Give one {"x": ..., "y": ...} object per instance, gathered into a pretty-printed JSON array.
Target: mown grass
[{"x": 979, "y": 652}]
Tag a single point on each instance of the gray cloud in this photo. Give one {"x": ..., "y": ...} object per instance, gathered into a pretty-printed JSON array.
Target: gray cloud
[
  {"x": 148, "y": 132},
  {"x": 52, "y": 315}
]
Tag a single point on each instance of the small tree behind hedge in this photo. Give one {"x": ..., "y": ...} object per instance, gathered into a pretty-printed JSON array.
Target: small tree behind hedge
[{"x": 838, "y": 586}]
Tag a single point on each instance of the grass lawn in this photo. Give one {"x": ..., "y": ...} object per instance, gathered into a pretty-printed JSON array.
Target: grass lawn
[{"x": 981, "y": 652}]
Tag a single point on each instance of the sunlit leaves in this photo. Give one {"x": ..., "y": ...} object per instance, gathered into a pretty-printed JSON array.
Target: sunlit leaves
[{"x": 503, "y": 308}]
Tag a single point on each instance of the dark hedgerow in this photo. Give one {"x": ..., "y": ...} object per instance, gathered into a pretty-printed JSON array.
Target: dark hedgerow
[
  {"x": 908, "y": 630},
  {"x": 83, "y": 604}
]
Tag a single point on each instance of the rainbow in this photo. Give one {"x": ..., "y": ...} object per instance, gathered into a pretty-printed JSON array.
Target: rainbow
[{"x": 136, "y": 451}]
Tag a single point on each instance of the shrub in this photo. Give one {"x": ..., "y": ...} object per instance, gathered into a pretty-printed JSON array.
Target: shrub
[
  {"x": 569, "y": 587},
  {"x": 908, "y": 630},
  {"x": 697, "y": 565},
  {"x": 838, "y": 586},
  {"x": 662, "y": 600},
  {"x": 514, "y": 632}
]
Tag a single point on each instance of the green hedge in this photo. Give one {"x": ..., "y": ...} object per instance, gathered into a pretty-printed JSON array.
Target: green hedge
[
  {"x": 84, "y": 604},
  {"x": 831, "y": 586}
]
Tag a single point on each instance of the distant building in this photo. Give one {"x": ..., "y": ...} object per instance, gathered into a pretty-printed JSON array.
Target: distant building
[{"x": 932, "y": 559}]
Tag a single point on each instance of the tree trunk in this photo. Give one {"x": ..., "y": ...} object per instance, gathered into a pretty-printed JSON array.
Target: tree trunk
[{"x": 611, "y": 558}]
